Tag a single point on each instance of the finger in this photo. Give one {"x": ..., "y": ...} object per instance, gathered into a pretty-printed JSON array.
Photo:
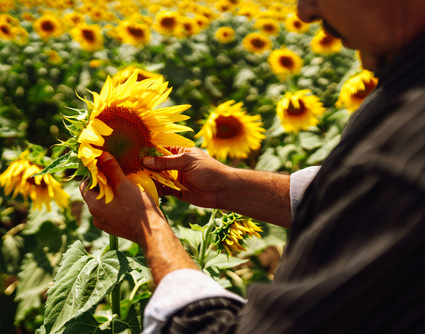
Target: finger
[
  {"x": 112, "y": 169},
  {"x": 175, "y": 162}
]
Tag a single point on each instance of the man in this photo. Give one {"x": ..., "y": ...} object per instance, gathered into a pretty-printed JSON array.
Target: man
[{"x": 354, "y": 262}]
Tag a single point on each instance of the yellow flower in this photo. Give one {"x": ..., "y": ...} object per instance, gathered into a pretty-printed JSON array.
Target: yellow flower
[
  {"x": 248, "y": 11},
  {"x": 74, "y": 19},
  {"x": 6, "y": 18},
  {"x": 356, "y": 89},
  {"x": 225, "y": 35},
  {"x": 6, "y": 31},
  {"x": 89, "y": 36},
  {"x": 167, "y": 23},
  {"x": 323, "y": 43},
  {"x": 54, "y": 57},
  {"x": 294, "y": 24},
  {"x": 267, "y": 26},
  {"x": 201, "y": 21},
  {"x": 284, "y": 62},
  {"x": 257, "y": 43},
  {"x": 224, "y": 6},
  {"x": 40, "y": 189},
  {"x": 123, "y": 121},
  {"x": 233, "y": 232},
  {"x": 134, "y": 33},
  {"x": 48, "y": 26},
  {"x": 123, "y": 75},
  {"x": 299, "y": 111},
  {"x": 230, "y": 132}
]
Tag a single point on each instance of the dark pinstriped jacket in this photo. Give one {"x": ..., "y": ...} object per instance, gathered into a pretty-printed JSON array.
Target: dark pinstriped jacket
[{"x": 355, "y": 260}]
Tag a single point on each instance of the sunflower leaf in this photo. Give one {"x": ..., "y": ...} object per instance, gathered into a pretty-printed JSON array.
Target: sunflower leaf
[
  {"x": 64, "y": 162},
  {"x": 80, "y": 284}
]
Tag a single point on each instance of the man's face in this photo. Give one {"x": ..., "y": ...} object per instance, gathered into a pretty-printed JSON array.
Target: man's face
[{"x": 365, "y": 25}]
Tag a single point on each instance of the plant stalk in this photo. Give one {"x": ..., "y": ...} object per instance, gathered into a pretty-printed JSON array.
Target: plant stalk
[
  {"x": 115, "y": 293},
  {"x": 206, "y": 239}
]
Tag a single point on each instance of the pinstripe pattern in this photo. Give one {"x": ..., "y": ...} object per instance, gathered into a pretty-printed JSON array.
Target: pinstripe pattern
[{"x": 355, "y": 262}]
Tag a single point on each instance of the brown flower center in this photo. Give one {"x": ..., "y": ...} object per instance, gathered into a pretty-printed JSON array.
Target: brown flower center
[
  {"x": 361, "y": 94},
  {"x": 269, "y": 28},
  {"x": 136, "y": 32},
  {"x": 129, "y": 141},
  {"x": 327, "y": 40},
  {"x": 5, "y": 29},
  {"x": 88, "y": 35},
  {"x": 47, "y": 26},
  {"x": 258, "y": 43},
  {"x": 286, "y": 62},
  {"x": 297, "y": 24},
  {"x": 168, "y": 22},
  {"x": 227, "y": 126},
  {"x": 293, "y": 111}
]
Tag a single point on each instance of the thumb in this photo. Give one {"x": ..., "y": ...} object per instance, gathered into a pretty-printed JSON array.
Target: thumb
[
  {"x": 112, "y": 169},
  {"x": 169, "y": 162}
]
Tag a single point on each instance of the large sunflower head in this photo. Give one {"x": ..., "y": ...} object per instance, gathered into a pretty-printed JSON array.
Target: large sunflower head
[
  {"x": 89, "y": 36},
  {"x": 48, "y": 26},
  {"x": 225, "y": 35},
  {"x": 230, "y": 132},
  {"x": 233, "y": 231},
  {"x": 299, "y": 111},
  {"x": 124, "y": 121},
  {"x": 41, "y": 189},
  {"x": 294, "y": 24},
  {"x": 124, "y": 74},
  {"x": 257, "y": 43},
  {"x": 284, "y": 62},
  {"x": 356, "y": 89},
  {"x": 134, "y": 33},
  {"x": 323, "y": 43}
]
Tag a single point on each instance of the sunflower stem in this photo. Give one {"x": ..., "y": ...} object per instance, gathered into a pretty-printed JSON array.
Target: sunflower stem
[
  {"x": 115, "y": 293},
  {"x": 206, "y": 239}
]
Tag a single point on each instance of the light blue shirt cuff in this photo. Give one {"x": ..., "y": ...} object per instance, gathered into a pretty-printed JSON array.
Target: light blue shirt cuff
[{"x": 176, "y": 290}]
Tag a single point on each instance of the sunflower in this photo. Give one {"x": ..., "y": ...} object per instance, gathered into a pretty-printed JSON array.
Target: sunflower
[
  {"x": 41, "y": 189},
  {"x": 284, "y": 62},
  {"x": 294, "y": 24},
  {"x": 74, "y": 19},
  {"x": 323, "y": 43},
  {"x": 123, "y": 121},
  {"x": 249, "y": 12},
  {"x": 229, "y": 131},
  {"x": 224, "y": 6},
  {"x": 257, "y": 43},
  {"x": 6, "y": 31},
  {"x": 299, "y": 111},
  {"x": 189, "y": 27},
  {"x": 123, "y": 75},
  {"x": 134, "y": 33},
  {"x": 167, "y": 23},
  {"x": 48, "y": 26},
  {"x": 233, "y": 231},
  {"x": 201, "y": 21},
  {"x": 268, "y": 26},
  {"x": 356, "y": 89},
  {"x": 225, "y": 35},
  {"x": 54, "y": 57},
  {"x": 89, "y": 36}
]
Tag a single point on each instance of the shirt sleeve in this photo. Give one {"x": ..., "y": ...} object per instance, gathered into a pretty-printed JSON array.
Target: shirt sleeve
[
  {"x": 299, "y": 182},
  {"x": 179, "y": 289}
]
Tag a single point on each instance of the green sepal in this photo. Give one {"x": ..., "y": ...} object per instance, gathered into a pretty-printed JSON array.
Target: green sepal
[{"x": 64, "y": 162}]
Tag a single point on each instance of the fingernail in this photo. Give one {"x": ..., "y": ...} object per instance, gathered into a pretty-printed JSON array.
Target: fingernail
[
  {"x": 106, "y": 156},
  {"x": 148, "y": 161}
]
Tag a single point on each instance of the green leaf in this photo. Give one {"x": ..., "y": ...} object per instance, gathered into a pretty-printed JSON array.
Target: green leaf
[
  {"x": 84, "y": 324},
  {"x": 222, "y": 261},
  {"x": 309, "y": 140},
  {"x": 81, "y": 283},
  {"x": 268, "y": 161},
  {"x": 190, "y": 236},
  {"x": 66, "y": 161}
]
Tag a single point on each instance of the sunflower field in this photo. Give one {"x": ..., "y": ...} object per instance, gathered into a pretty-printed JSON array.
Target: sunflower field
[{"x": 245, "y": 80}]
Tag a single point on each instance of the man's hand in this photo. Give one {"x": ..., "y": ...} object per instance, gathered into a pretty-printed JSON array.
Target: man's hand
[
  {"x": 204, "y": 177},
  {"x": 128, "y": 210}
]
